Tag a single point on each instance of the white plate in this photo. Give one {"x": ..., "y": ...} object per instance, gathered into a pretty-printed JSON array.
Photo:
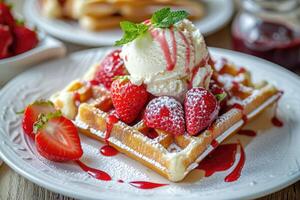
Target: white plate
[
  {"x": 219, "y": 13},
  {"x": 272, "y": 158}
]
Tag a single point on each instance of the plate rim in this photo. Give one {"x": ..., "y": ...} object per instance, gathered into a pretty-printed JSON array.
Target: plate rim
[{"x": 277, "y": 184}]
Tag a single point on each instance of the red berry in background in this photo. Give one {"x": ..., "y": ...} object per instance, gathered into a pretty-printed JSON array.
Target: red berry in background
[
  {"x": 165, "y": 113},
  {"x": 57, "y": 139},
  {"x": 128, "y": 99},
  {"x": 25, "y": 39},
  {"x": 6, "y": 18},
  {"x": 6, "y": 40},
  {"x": 111, "y": 66},
  {"x": 201, "y": 109}
]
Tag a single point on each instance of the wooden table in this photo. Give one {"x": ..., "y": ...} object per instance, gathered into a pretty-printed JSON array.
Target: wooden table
[{"x": 14, "y": 186}]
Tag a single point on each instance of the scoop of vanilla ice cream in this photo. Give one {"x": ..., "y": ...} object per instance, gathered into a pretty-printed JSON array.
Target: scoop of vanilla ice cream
[{"x": 168, "y": 61}]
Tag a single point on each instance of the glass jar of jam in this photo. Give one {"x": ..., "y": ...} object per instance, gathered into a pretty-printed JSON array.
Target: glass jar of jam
[{"x": 269, "y": 29}]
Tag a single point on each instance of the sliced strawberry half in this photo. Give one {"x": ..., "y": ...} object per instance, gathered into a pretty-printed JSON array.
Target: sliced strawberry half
[
  {"x": 201, "y": 109},
  {"x": 165, "y": 113},
  {"x": 32, "y": 112},
  {"x": 111, "y": 66},
  {"x": 57, "y": 138}
]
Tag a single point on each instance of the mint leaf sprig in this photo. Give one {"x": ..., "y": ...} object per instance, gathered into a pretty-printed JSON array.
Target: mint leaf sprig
[
  {"x": 131, "y": 32},
  {"x": 163, "y": 18}
]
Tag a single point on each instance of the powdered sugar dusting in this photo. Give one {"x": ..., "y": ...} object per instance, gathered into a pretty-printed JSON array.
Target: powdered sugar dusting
[
  {"x": 165, "y": 113},
  {"x": 121, "y": 145}
]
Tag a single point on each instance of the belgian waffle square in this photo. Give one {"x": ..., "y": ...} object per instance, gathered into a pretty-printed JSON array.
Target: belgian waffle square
[{"x": 171, "y": 156}]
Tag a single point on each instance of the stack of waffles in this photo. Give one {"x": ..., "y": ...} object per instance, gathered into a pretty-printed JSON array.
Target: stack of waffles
[
  {"x": 172, "y": 156},
  {"x": 104, "y": 14}
]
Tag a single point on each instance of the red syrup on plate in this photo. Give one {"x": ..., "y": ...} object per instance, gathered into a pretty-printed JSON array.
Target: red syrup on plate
[
  {"x": 146, "y": 185},
  {"x": 277, "y": 122},
  {"x": 236, "y": 173},
  {"x": 247, "y": 132},
  {"x": 222, "y": 159},
  {"x": 103, "y": 176},
  {"x": 95, "y": 173},
  {"x": 108, "y": 150}
]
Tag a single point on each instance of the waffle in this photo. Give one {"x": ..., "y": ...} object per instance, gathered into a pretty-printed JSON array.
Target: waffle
[
  {"x": 104, "y": 14},
  {"x": 173, "y": 157}
]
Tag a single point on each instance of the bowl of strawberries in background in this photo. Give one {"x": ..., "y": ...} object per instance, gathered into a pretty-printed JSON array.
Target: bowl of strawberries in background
[{"x": 22, "y": 45}]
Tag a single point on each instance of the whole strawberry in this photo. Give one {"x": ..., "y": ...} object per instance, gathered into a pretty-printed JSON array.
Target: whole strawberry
[
  {"x": 128, "y": 99},
  {"x": 6, "y": 18},
  {"x": 201, "y": 109},
  {"x": 111, "y": 66},
  {"x": 25, "y": 39},
  {"x": 6, "y": 40},
  {"x": 165, "y": 113}
]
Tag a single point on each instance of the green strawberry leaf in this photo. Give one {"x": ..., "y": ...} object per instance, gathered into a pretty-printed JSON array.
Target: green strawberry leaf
[
  {"x": 43, "y": 119},
  {"x": 221, "y": 97}
]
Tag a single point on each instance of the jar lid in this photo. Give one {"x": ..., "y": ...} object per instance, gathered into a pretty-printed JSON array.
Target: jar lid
[{"x": 271, "y": 5}]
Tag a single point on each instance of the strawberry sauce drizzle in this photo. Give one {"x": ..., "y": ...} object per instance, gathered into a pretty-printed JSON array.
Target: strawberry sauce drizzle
[
  {"x": 195, "y": 70},
  {"x": 108, "y": 150},
  {"x": 222, "y": 159},
  {"x": 94, "y": 82},
  {"x": 76, "y": 97},
  {"x": 174, "y": 45},
  {"x": 110, "y": 121},
  {"x": 103, "y": 176},
  {"x": 275, "y": 120},
  {"x": 146, "y": 185},
  {"x": 236, "y": 173},
  {"x": 95, "y": 173},
  {"x": 247, "y": 132},
  {"x": 160, "y": 37},
  {"x": 187, "y": 52},
  {"x": 240, "y": 107},
  {"x": 214, "y": 143},
  {"x": 241, "y": 70}
]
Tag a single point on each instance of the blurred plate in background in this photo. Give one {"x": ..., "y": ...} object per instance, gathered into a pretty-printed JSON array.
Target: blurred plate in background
[{"x": 218, "y": 13}]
